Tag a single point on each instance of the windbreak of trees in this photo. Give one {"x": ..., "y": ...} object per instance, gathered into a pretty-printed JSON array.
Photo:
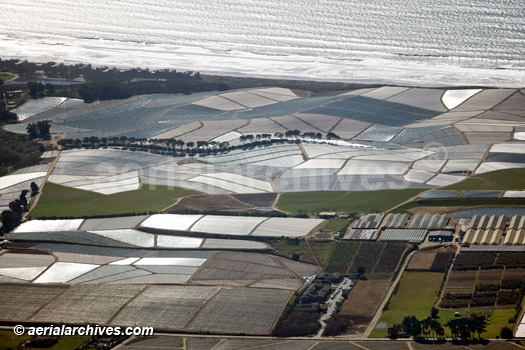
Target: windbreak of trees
[
  {"x": 461, "y": 328},
  {"x": 181, "y": 148}
]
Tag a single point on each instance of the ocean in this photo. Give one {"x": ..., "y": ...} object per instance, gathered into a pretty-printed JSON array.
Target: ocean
[{"x": 418, "y": 42}]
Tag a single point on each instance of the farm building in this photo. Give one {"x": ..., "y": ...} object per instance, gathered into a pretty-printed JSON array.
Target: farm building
[
  {"x": 488, "y": 222},
  {"x": 404, "y": 235},
  {"x": 428, "y": 221},
  {"x": 440, "y": 236},
  {"x": 517, "y": 222},
  {"x": 515, "y": 237},
  {"x": 356, "y": 234},
  {"x": 480, "y": 236},
  {"x": 369, "y": 221},
  {"x": 396, "y": 220}
]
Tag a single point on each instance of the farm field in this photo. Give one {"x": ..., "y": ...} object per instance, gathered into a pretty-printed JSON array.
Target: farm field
[
  {"x": 363, "y": 301},
  {"x": 64, "y": 201},
  {"x": 101, "y": 303},
  {"x": 207, "y": 343},
  {"x": 377, "y": 258},
  {"x": 342, "y": 257},
  {"x": 365, "y": 202},
  {"x": 10, "y": 341},
  {"x": 507, "y": 179},
  {"x": 498, "y": 318},
  {"x": 323, "y": 250},
  {"x": 416, "y": 295},
  {"x": 365, "y": 151},
  {"x": 289, "y": 247},
  {"x": 335, "y": 224}
]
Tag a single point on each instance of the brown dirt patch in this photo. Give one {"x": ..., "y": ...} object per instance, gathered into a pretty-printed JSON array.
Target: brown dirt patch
[
  {"x": 490, "y": 275},
  {"x": 422, "y": 260},
  {"x": 514, "y": 274},
  {"x": 258, "y": 200},
  {"x": 365, "y": 298},
  {"x": 463, "y": 276},
  {"x": 220, "y": 202}
]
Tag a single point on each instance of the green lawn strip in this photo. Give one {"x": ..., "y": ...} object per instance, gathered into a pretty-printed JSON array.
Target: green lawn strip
[
  {"x": 6, "y": 76},
  {"x": 289, "y": 247},
  {"x": 507, "y": 179},
  {"x": 415, "y": 296},
  {"x": 498, "y": 319},
  {"x": 61, "y": 201},
  {"x": 335, "y": 224},
  {"x": 346, "y": 201}
]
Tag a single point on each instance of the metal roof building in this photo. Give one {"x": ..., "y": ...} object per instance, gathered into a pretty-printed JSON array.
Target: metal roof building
[
  {"x": 517, "y": 222},
  {"x": 404, "y": 235},
  {"x": 515, "y": 237},
  {"x": 357, "y": 234},
  {"x": 396, "y": 220},
  {"x": 481, "y": 236},
  {"x": 369, "y": 221},
  {"x": 435, "y": 221}
]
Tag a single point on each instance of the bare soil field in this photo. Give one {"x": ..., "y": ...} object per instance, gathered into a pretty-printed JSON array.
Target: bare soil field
[
  {"x": 422, "y": 260},
  {"x": 258, "y": 200},
  {"x": 425, "y": 259},
  {"x": 365, "y": 297},
  {"x": 220, "y": 202}
]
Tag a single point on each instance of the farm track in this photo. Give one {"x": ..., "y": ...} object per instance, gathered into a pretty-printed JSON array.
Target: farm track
[
  {"x": 379, "y": 311},
  {"x": 35, "y": 200}
]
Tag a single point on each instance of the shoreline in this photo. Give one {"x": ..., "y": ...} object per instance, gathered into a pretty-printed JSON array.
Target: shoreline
[{"x": 358, "y": 73}]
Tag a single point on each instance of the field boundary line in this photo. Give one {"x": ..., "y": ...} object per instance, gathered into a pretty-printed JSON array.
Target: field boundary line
[
  {"x": 336, "y": 124},
  {"x": 305, "y": 155},
  {"x": 359, "y": 346},
  {"x": 307, "y": 123},
  {"x": 388, "y": 295},
  {"x": 449, "y": 272},
  {"x": 313, "y": 254},
  {"x": 34, "y": 201},
  {"x": 200, "y": 268},
  {"x": 126, "y": 304},
  {"x": 203, "y": 307},
  {"x": 47, "y": 303},
  {"x": 379, "y": 257},
  {"x": 284, "y": 266},
  {"x": 255, "y": 227}
]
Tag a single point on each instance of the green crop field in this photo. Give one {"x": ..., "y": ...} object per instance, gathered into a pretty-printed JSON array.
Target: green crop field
[
  {"x": 335, "y": 224},
  {"x": 416, "y": 294},
  {"x": 323, "y": 250},
  {"x": 508, "y": 179},
  {"x": 346, "y": 201},
  {"x": 62, "y": 201},
  {"x": 342, "y": 257}
]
